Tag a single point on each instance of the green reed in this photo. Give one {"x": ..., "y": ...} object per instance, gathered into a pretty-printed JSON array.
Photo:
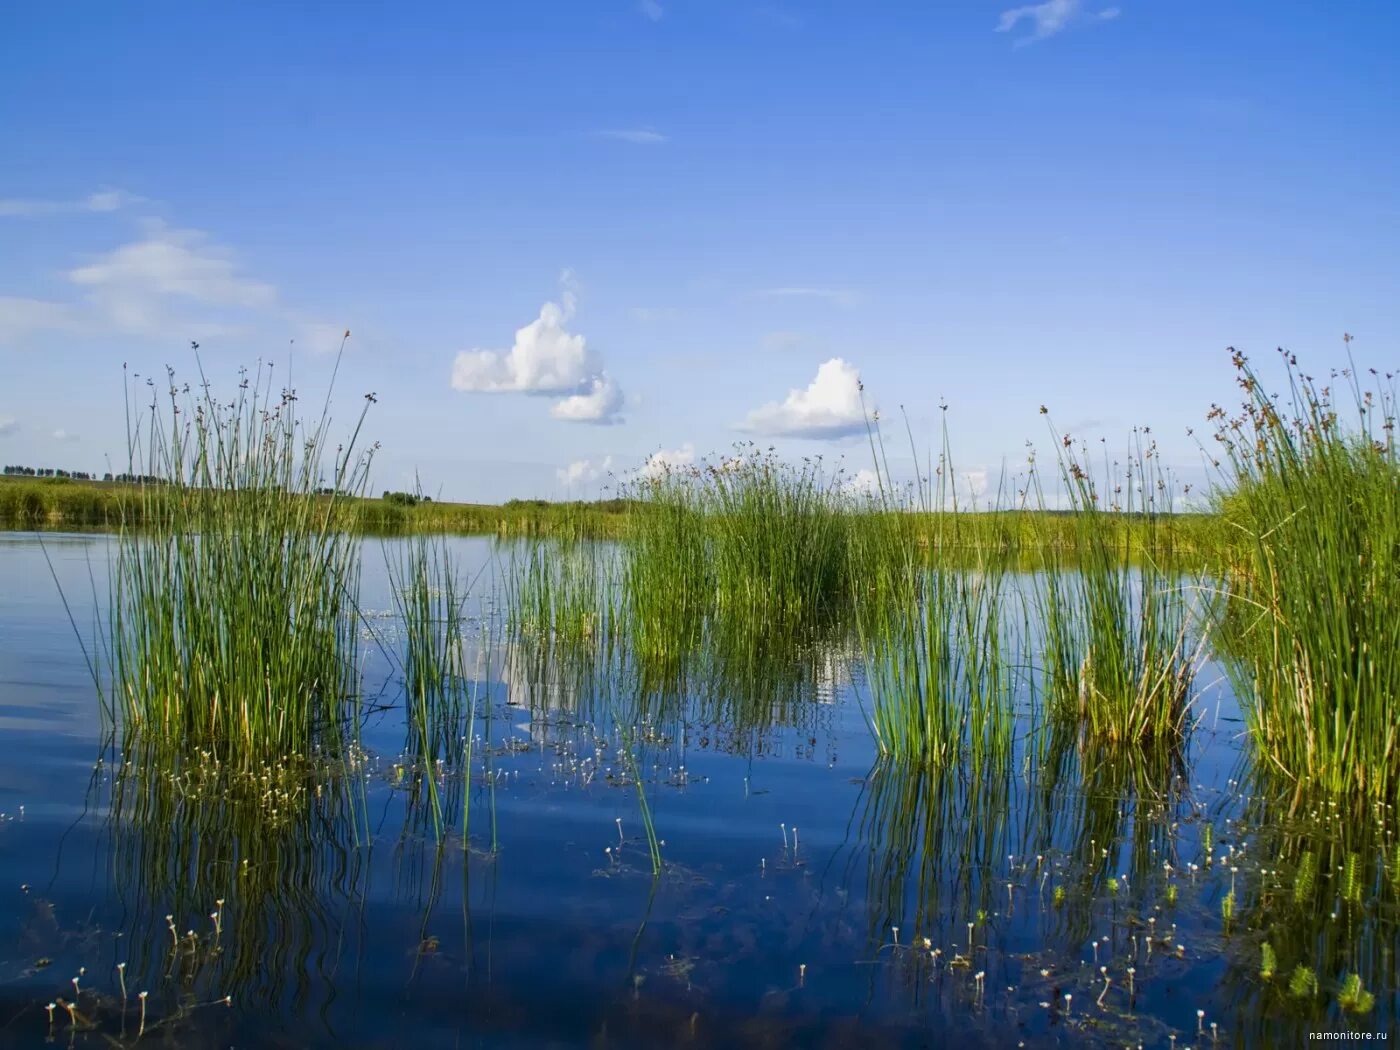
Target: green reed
[
  {"x": 1313, "y": 489},
  {"x": 748, "y": 545},
  {"x": 431, "y": 598},
  {"x": 232, "y": 619},
  {"x": 779, "y": 537},
  {"x": 1115, "y": 620},
  {"x": 562, "y": 593},
  {"x": 936, "y": 630},
  {"x": 667, "y": 578}
]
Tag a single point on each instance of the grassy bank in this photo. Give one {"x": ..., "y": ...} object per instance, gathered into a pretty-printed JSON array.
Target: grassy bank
[{"x": 28, "y": 503}]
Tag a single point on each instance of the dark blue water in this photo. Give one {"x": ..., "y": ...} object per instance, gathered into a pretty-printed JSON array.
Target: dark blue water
[{"x": 810, "y": 896}]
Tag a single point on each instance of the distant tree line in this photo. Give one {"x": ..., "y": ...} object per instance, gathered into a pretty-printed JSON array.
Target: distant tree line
[
  {"x": 49, "y": 472},
  {"x": 83, "y": 475},
  {"x": 405, "y": 499}
]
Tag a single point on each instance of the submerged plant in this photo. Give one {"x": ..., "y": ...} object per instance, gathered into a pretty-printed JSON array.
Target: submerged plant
[
  {"x": 1303, "y": 983},
  {"x": 1268, "y": 962},
  {"x": 1353, "y": 997}
]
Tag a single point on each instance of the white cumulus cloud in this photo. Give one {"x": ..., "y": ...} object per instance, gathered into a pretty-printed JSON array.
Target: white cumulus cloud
[
  {"x": 600, "y": 403},
  {"x": 8, "y": 425},
  {"x": 545, "y": 359},
  {"x": 667, "y": 461},
  {"x": 828, "y": 407},
  {"x": 864, "y": 482},
  {"x": 583, "y": 471}
]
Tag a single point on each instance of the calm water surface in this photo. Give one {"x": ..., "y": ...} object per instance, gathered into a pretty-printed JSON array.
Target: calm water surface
[{"x": 811, "y": 897}]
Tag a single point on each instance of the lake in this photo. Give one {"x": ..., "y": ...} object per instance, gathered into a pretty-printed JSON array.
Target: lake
[{"x": 811, "y": 895}]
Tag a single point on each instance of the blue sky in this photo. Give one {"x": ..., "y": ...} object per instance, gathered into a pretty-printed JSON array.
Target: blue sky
[{"x": 735, "y": 208}]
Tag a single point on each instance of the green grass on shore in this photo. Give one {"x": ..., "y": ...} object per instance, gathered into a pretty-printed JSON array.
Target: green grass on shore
[{"x": 28, "y": 503}]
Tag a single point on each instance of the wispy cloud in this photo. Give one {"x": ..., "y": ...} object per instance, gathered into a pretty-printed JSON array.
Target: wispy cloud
[
  {"x": 636, "y": 136},
  {"x": 65, "y": 436},
  {"x": 171, "y": 263},
  {"x": 20, "y": 318},
  {"x": 1051, "y": 17},
  {"x": 781, "y": 341},
  {"x": 319, "y": 337},
  {"x": 835, "y": 296},
  {"x": 650, "y": 314},
  {"x": 8, "y": 425},
  {"x": 651, "y": 10},
  {"x": 545, "y": 359},
  {"x": 777, "y": 15},
  {"x": 167, "y": 282},
  {"x": 94, "y": 203},
  {"x": 829, "y": 406}
]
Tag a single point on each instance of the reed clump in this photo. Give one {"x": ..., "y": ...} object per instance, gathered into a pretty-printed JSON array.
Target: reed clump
[
  {"x": 1312, "y": 487},
  {"x": 932, "y": 613},
  {"x": 232, "y": 620},
  {"x": 561, "y": 594},
  {"x": 1115, "y": 618},
  {"x": 748, "y": 547},
  {"x": 430, "y": 596}
]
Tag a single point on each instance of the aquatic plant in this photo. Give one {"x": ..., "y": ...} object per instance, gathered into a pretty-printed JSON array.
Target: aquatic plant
[
  {"x": 667, "y": 579},
  {"x": 1118, "y": 655},
  {"x": 1312, "y": 485},
  {"x": 227, "y": 872},
  {"x": 747, "y": 546},
  {"x": 939, "y": 651},
  {"x": 561, "y": 593},
  {"x": 232, "y": 621},
  {"x": 431, "y": 598},
  {"x": 778, "y": 541},
  {"x": 1353, "y": 996}
]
